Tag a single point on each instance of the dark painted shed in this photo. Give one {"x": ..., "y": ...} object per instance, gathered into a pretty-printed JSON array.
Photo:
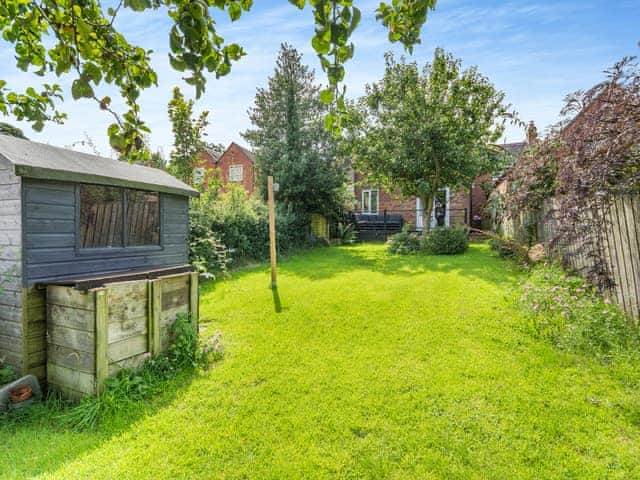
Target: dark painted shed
[{"x": 67, "y": 216}]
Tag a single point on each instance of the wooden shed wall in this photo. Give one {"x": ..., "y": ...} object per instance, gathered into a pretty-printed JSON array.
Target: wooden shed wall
[
  {"x": 50, "y": 238},
  {"x": 10, "y": 266}
]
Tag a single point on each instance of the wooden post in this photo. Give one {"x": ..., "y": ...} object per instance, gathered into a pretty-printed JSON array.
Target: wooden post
[
  {"x": 156, "y": 309},
  {"x": 102, "y": 358},
  {"x": 150, "y": 317},
  {"x": 194, "y": 300},
  {"x": 272, "y": 230},
  {"x": 25, "y": 332}
]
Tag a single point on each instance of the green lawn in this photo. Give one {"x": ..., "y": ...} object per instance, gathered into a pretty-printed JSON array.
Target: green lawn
[{"x": 366, "y": 366}]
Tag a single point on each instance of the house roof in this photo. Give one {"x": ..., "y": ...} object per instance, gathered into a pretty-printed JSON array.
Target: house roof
[
  {"x": 514, "y": 148},
  {"x": 246, "y": 151},
  {"x": 215, "y": 156},
  {"x": 37, "y": 160}
]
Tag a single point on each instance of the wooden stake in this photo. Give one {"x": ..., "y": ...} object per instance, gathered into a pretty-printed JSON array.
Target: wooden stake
[
  {"x": 272, "y": 230},
  {"x": 102, "y": 340}
]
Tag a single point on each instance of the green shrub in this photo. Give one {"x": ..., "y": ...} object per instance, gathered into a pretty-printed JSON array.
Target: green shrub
[
  {"x": 509, "y": 248},
  {"x": 447, "y": 240},
  {"x": 206, "y": 252},
  {"x": 7, "y": 374},
  {"x": 243, "y": 226},
  {"x": 403, "y": 243},
  {"x": 570, "y": 313},
  {"x": 346, "y": 233}
]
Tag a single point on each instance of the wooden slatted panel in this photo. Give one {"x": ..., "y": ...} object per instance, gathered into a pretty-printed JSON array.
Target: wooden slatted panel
[
  {"x": 128, "y": 317},
  {"x": 620, "y": 246},
  {"x": 71, "y": 341}
]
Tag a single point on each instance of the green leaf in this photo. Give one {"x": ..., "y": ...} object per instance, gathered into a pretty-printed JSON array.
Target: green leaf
[
  {"x": 326, "y": 96},
  {"x": 234, "y": 11},
  {"x": 80, "y": 88},
  {"x": 320, "y": 45}
]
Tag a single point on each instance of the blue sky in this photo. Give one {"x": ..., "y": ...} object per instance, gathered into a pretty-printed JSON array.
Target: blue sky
[{"x": 535, "y": 51}]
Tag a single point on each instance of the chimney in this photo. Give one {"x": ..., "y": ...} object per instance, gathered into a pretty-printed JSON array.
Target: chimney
[{"x": 532, "y": 133}]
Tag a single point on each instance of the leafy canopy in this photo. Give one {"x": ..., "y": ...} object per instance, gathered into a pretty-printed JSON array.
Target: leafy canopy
[
  {"x": 80, "y": 38},
  {"x": 188, "y": 133},
  {"x": 290, "y": 142},
  {"x": 586, "y": 161},
  {"x": 8, "y": 129},
  {"x": 418, "y": 130}
]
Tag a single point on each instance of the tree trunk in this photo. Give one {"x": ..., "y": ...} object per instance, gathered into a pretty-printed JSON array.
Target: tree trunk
[
  {"x": 427, "y": 208},
  {"x": 428, "y": 201}
]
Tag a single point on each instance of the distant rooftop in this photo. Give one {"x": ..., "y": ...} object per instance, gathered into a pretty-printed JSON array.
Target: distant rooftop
[
  {"x": 514, "y": 148},
  {"x": 37, "y": 160}
]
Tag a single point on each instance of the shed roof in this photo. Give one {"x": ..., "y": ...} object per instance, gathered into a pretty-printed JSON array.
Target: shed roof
[{"x": 37, "y": 160}]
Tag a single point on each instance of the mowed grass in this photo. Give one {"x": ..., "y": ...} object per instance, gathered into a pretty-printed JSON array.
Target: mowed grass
[{"x": 363, "y": 365}]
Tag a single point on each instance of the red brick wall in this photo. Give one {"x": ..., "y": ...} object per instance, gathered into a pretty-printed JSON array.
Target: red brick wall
[
  {"x": 206, "y": 161},
  {"x": 393, "y": 203},
  {"x": 234, "y": 155},
  {"x": 458, "y": 202}
]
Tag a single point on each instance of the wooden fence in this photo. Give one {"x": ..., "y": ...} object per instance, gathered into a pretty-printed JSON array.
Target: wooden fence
[{"x": 620, "y": 246}]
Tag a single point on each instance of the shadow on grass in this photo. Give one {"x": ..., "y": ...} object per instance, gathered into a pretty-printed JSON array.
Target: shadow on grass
[
  {"x": 277, "y": 305},
  {"x": 52, "y": 444}
]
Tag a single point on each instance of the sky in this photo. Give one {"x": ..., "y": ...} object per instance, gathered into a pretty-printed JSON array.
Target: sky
[{"x": 535, "y": 51}]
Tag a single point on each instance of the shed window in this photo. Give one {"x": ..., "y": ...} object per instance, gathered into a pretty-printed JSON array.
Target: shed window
[
  {"x": 143, "y": 218},
  {"x": 112, "y": 217},
  {"x": 101, "y": 216}
]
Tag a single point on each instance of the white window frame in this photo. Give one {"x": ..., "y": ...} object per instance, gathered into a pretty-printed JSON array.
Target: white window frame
[
  {"x": 367, "y": 192},
  {"x": 420, "y": 209},
  {"x": 198, "y": 175},
  {"x": 237, "y": 169}
]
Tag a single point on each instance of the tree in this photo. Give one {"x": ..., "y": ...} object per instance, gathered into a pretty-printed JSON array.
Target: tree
[
  {"x": 187, "y": 132},
  {"x": 79, "y": 38},
  {"x": 156, "y": 160},
  {"x": 416, "y": 131},
  {"x": 586, "y": 162},
  {"x": 290, "y": 142},
  {"x": 8, "y": 129}
]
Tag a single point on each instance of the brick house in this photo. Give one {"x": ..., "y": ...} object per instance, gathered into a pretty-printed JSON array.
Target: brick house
[
  {"x": 460, "y": 207},
  {"x": 234, "y": 165}
]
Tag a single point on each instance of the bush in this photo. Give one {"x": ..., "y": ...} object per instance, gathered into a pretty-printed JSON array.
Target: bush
[
  {"x": 206, "y": 252},
  {"x": 346, "y": 233},
  {"x": 570, "y": 313},
  {"x": 403, "y": 243},
  {"x": 510, "y": 249},
  {"x": 7, "y": 374},
  {"x": 243, "y": 226},
  {"x": 447, "y": 241}
]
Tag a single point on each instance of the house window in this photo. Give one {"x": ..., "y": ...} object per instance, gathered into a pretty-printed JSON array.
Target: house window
[
  {"x": 370, "y": 201},
  {"x": 106, "y": 213},
  {"x": 235, "y": 173},
  {"x": 198, "y": 175}
]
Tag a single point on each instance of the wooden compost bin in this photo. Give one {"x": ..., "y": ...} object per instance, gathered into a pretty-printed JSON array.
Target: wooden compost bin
[{"x": 92, "y": 334}]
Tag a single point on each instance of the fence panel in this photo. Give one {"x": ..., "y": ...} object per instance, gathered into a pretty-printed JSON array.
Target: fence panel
[{"x": 620, "y": 245}]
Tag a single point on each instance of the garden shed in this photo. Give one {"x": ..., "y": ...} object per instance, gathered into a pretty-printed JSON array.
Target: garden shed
[{"x": 93, "y": 262}]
